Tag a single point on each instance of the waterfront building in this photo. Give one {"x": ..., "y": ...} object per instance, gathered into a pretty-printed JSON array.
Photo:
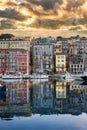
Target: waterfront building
[
  {"x": 15, "y": 44},
  {"x": 84, "y": 49},
  {"x": 14, "y": 60},
  {"x": 43, "y": 57},
  {"x": 60, "y": 62},
  {"x": 77, "y": 68}
]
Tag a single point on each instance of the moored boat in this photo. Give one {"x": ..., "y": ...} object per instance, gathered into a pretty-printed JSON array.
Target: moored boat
[
  {"x": 11, "y": 75},
  {"x": 67, "y": 77},
  {"x": 39, "y": 76}
]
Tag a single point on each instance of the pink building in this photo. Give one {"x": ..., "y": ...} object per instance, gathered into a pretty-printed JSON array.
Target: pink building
[{"x": 14, "y": 60}]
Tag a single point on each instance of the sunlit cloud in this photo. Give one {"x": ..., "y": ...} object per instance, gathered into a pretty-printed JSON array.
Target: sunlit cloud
[{"x": 70, "y": 15}]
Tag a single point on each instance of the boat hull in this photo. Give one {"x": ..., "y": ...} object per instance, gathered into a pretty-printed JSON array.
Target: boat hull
[
  {"x": 39, "y": 76},
  {"x": 11, "y": 77}
]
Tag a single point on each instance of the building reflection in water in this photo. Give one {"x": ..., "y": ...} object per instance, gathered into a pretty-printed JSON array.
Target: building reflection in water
[
  {"x": 59, "y": 97},
  {"x": 15, "y": 99},
  {"x": 24, "y": 98},
  {"x": 42, "y": 96}
]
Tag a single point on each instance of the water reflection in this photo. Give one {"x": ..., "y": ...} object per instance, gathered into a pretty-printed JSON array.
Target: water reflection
[
  {"x": 14, "y": 99},
  {"x": 26, "y": 98}
]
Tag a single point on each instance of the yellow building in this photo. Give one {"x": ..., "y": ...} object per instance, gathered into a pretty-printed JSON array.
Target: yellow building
[
  {"x": 60, "y": 62},
  {"x": 60, "y": 90}
]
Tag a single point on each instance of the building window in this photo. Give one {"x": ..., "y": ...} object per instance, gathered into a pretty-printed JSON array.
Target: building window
[
  {"x": 62, "y": 65},
  {"x": 81, "y": 65},
  {"x": 62, "y": 56},
  {"x": 74, "y": 65},
  {"x": 71, "y": 65},
  {"x": 22, "y": 64},
  {"x": 58, "y": 56}
]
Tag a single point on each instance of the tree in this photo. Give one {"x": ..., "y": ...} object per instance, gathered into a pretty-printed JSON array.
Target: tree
[{"x": 6, "y": 36}]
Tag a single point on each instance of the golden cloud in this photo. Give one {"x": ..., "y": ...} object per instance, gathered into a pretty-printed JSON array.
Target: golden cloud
[{"x": 47, "y": 14}]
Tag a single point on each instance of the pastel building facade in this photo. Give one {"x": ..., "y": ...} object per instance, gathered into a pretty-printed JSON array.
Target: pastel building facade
[
  {"x": 77, "y": 68},
  {"x": 15, "y": 44},
  {"x": 43, "y": 58},
  {"x": 14, "y": 60},
  {"x": 60, "y": 62}
]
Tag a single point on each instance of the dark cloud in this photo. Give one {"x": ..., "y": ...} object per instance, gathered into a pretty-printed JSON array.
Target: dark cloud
[
  {"x": 7, "y": 24},
  {"x": 45, "y": 23},
  {"x": 46, "y": 4},
  {"x": 12, "y": 14},
  {"x": 48, "y": 14},
  {"x": 74, "y": 4},
  {"x": 33, "y": 11},
  {"x": 52, "y": 24}
]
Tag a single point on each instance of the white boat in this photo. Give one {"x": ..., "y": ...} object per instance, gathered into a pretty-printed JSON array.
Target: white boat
[
  {"x": 39, "y": 76},
  {"x": 11, "y": 80},
  {"x": 11, "y": 75},
  {"x": 67, "y": 77}
]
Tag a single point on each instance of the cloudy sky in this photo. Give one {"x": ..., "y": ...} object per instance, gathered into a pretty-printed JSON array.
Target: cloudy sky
[{"x": 43, "y": 17}]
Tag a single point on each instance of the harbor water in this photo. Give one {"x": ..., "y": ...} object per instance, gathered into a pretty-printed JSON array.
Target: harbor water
[{"x": 38, "y": 105}]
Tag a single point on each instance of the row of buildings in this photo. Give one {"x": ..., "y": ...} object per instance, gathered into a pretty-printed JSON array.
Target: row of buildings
[
  {"x": 47, "y": 55},
  {"x": 60, "y": 54}
]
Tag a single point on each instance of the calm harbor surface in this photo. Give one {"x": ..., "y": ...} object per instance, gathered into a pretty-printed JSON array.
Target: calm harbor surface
[{"x": 46, "y": 105}]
